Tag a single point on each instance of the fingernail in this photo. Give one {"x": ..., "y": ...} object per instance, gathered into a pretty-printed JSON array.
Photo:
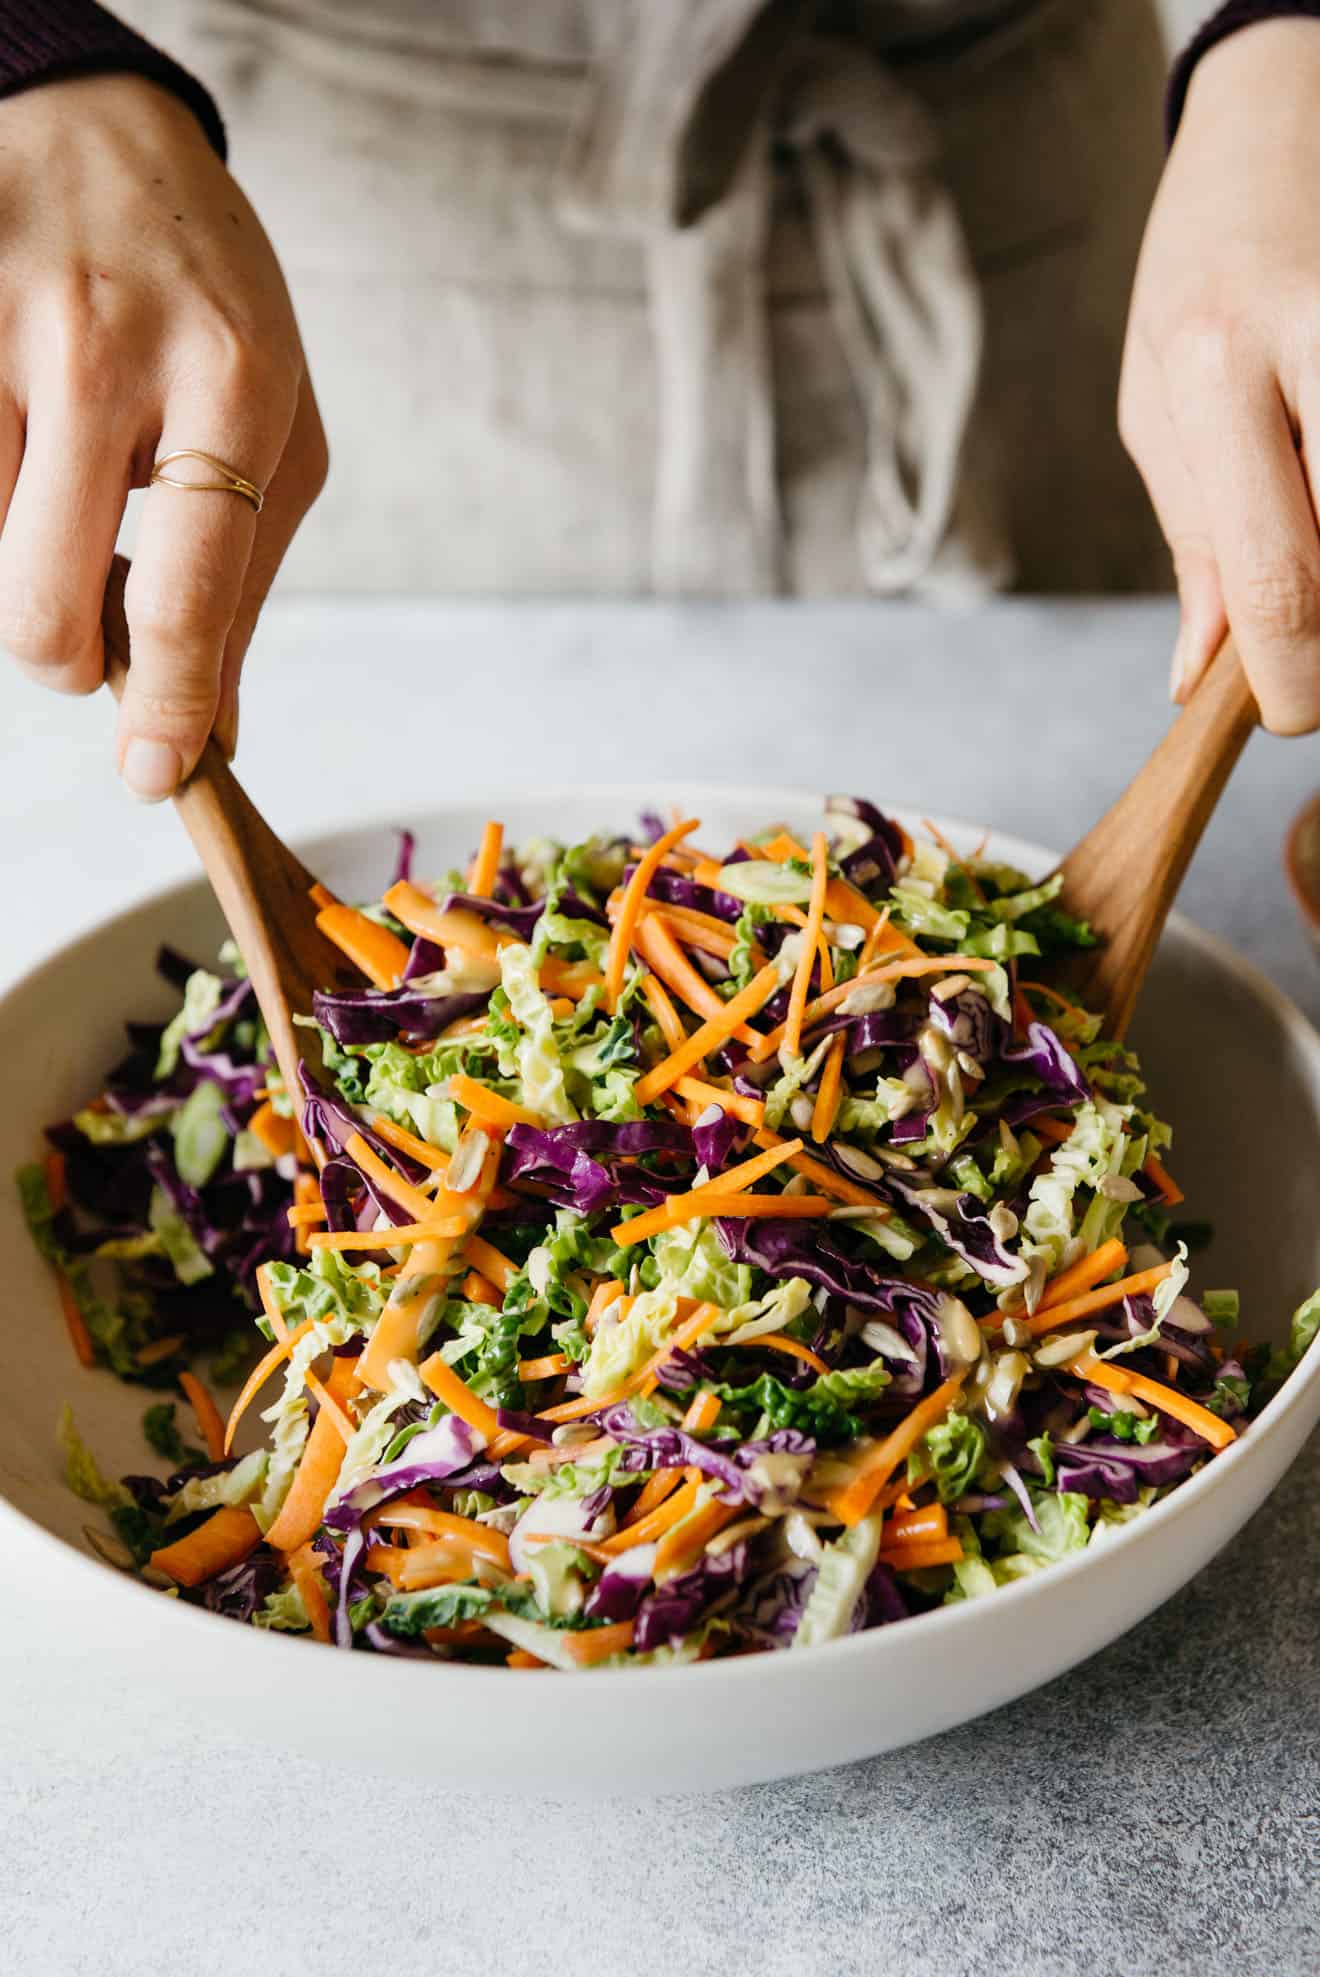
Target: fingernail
[{"x": 151, "y": 769}]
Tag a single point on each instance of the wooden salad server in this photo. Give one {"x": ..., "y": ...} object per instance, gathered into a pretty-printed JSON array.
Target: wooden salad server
[
  {"x": 1124, "y": 874},
  {"x": 263, "y": 889}
]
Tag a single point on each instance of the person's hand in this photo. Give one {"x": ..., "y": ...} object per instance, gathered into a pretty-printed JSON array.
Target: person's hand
[
  {"x": 1220, "y": 398},
  {"x": 142, "y": 311}
]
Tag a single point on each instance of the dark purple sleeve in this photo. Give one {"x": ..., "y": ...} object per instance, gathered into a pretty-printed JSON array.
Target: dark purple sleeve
[
  {"x": 1237, "y": 14},
  {"x": 43, "y": 40}
]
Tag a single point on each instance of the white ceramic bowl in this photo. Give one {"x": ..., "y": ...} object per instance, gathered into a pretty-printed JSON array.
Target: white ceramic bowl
[{"x": 1231, "y": 1062}]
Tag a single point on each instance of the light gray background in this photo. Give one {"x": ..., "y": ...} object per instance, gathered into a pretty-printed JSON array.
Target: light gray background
[{"x": 1157, "y": 1810}]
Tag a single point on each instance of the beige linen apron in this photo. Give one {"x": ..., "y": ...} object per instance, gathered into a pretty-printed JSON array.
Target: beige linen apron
[{"x": 703, "y": 296}]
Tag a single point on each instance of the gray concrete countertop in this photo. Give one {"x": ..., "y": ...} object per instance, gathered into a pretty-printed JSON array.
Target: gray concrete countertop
[{"x": 1153, "y": 1811}]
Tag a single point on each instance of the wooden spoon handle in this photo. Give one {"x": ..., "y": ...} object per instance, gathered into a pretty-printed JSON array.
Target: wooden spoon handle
[
  {"x": 261, "y": 887},
  {"x": 1124, "y": 873}
]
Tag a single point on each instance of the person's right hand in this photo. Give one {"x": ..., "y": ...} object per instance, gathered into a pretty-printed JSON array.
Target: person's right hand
[{"x": 142, "y": 311}]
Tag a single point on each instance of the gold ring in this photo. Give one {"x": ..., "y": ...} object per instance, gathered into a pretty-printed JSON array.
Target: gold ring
[{"x": 229, "y": 483}]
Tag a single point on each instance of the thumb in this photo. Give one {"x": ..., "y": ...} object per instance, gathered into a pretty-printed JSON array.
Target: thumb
[{"x": 1202, "y": 621}]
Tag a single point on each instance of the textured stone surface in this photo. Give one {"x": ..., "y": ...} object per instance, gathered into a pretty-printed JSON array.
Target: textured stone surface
[{"x": 1157, "y": 1810}]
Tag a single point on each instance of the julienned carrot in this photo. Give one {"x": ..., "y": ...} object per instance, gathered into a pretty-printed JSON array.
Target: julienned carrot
[
  {"x": 824, "y": 1179},
  {"x": 446, "y": 1385},
  {"x": 419, "y": 1150},
  {"x": 1045, "y": 1319},
  {"x": 278, "y": 1135},
  {"x": 420, "y": 1206},
  {"x": 210, "y": 1423},
  {"x": 710, "y": 1036},
  {"x": 1053, "y": 995},
  {"x": 697, "y": 1319},
  {"x": 398, "y": 1236},
  {"x": 700, "y": 930},
  {"x": 797, "y": 1000},
  {"x": 55, "y": 1175},
  {"x": 435, "y": 1564},
  {"x": 922, "y": 1555},
  {"x": 652, "y": 1494},
  {"x": 305, "y": 1571},
  {"x": 1050, "y": 1129},
  {"x": 79, "y": 1336},
  {"x": 682, "y": 1208},
  {"x": 380, "y": 955},
  {"x": 586, "y": 1646},
  {"x": 490, "y": 1261},
  {"x": 910, "y": 1525},
  {"x": 305, "y": 1215},
  {"x": 703, "y": 1412},
  {"x": 733, "y": 1180},
  {"x": 479, "y": 1290},
  {"x": 855, "y": 1499},
  {"x": 1155, "y": 1170},
  {"x": 1085, "y": 1274},
  {"x": 259, "y": 1375},
  {"x": 455, "y": 926},
  {"x": 321, "y": 895},
  {"x": 464, "y": 1531},
  {"x": 521, "y": 1658},
  {"x": 682, "y": 1545},
  {"x": 668, "y": 1020},
  {"x": 828, "y": 1092},
  {"x": 842, "y": 900},
  {"x": 486, "y": 865},
  {"x": 545, "y": 1368},
  {"x": 654, "y": 1526},
  {"x": 488, "y": 1106},
  {"x": 906, "y": 968},
  {"x": 794, "y": 1348},
  {"x": 1122, "y": 1380},
  {"x": 299, "y": 1516},
  {"x": 665, "y": 958},
  {"x": 542, "y": 1456},
  {"x": 751, "y": 1111},
  {"x": 227, "y": 1537},
  {"x": 621, "y": 935}
]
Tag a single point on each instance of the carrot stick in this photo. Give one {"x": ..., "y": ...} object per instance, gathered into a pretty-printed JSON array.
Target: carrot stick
[
  {"x": 279, "y": 1136},
  {"x": 520, "y": 1658},
  {"x": 1156, "y": 1171},
  {"x": 1123, "y": 1380},
  {"x": 299, "y": 1516},
  {"x": 490, "y": 1261},
  {"x": 909, "y": 967},
  {"x": 777, "y": 1342},
  {"x": 682, "y": 1545},
  {"x": 825, "y": 1180},
  {"x": 655, "y": 943},
  {"x": 716, "y": 1031},
  {"x": 909, "y": 1525},
  {"x": 653, "y": 1526},
  {"x": 606, "y": 1292},
  {"x": 954, "y": 859},
  {"x": 734, "y": 1180},
  {"x": 920, "y": 1556},
  {"x": 588, "y": 1645},
  {"x": 209, "y": 1423},
  {"x": 545, "y": 1368},
  {"x": 486, "y": 865},
  {"x": 828, "y": 1092},
  {"x": 419, "y": 1150},
  {"x": 1053, "y": 995},
  {"x": 259, "y": 1375},
  {"x": 701, "y": 1317},
  {"x": 398, "y": 1236},
  {"x": 487, "y": 1106},
  {"x": 797, "y": 1000},
  {"x": 304, "y": 1570},
  {"x": 703, "y": 1412},
  {"x": 1050, "y": 1129},
  {"x": 700, "y": 930},
  {"x": 745, "y": 1207},
  {"x": 854, "y": 1500},
  {"x": 479, "y": 1289},
  {"x": 55, "y": 1174},
  {"x": 667, "y": 1018},
  {"x": 1085, "y": 1274},
  {"x": 305, "y": 1215},
  {"x": 79, "y": 1336},
  {"x": 456, "y": 927},
  {"x": 738, "y": 1106},
  {"x": 321, "y": 895},
  {"x": 621, "y": 935},
  {"x": 1047, "y": 1318},
  {"x": 652, "y": 1494},
  {"x": 446, "y": 1385},
  {"x": 227, "y": 1537},
  {"x": 380, "y": 955}
]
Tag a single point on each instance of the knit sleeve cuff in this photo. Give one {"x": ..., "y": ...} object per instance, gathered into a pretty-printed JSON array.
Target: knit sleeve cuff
[
  {"x": 1237, "y": 14},
  {"x": 60, "y": 38}
]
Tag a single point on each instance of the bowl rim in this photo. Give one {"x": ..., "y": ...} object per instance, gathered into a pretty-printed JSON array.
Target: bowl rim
[
  {"x": 1308, "y": 902},
  {"x": 1024, "y": 1593}
]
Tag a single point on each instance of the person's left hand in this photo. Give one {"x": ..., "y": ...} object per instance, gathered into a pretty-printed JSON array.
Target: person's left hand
[{"x": 1220, "y": 397}]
